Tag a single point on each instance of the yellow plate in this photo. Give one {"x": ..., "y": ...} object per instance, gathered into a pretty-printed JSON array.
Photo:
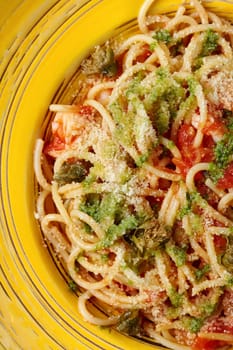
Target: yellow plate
[{"x": 41, "y": 44}]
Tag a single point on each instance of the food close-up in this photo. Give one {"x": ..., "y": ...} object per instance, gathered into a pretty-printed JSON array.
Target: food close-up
[{"x": 132, "y": 182}]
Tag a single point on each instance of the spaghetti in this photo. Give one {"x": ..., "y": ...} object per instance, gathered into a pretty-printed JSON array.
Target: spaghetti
[{"x": 136, "y": 181}]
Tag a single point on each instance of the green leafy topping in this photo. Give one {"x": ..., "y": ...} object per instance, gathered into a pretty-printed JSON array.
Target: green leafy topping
[
  {"x": 176, "y": 47},
  {"x": 87, "y": 228},
  {"x": 208, "y": 308},
  {"x": 150, "y": 236},
  {"x": 90, "y": 179},
  {"x": 146, "y": 107},
  {"x": 124, "y": 124},
  {"x": 227, "y": 259},
  {"x": 71, "y": 172},
  {"x": 91, "y": 206},
  {"x": 135, "y": 88},
  {"x": 198, "y": 62},
  {"x": 102, "y": 209},
  {"x": 142, "y": 159},
  {"x": 109, "y": 66},
  {"x": 142, "y": 126},
  {"x": 163, "y": 35},
  {"x": 129, "y": 323},
  {"x": 172, "y": 312},
  {"x": 116, "y": 231},
  {"x": 102, "y": 61},
  {"x": 192, "y": 85},
  {"x": 104, "y": 257},
  {"x": 223, "y": 152},
  {"x": 187, "y": 208},
  {"x": 200, "y": 273},
  {"x": 177, "y": 254},
  {"x": 188, "y": 104},
  {"x": 215, "y": 172},
  {"x": 110, "y": 206},
  {"x": 196, "y": 223},
  {"x": 163, "y": 117},
  {"x": 163, "y": 98},
  {"x": 228, "y": 117},
  {"x": 72, "y": 286},
  {"x": 193, "y": 324},
  {"x": 210, "y": 43},
  {"x": 229, "y": 281},
  {"x": 162, "y": 73},
  {"x": 117, "y": 111},
  {"x": 175, "y": 297},
  {"x": 192, "y": 199},
  {"x": 196, "y": 198},
  {"x": 170, "y": 145},
  {"x": 153, "y": 45}
]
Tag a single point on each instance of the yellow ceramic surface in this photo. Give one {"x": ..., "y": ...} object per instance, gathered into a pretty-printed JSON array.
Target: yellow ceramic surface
[{"x": 41, "y": 43}]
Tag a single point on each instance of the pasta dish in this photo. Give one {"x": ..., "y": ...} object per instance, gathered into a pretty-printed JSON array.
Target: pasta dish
[{"x": 136, "y": 181}]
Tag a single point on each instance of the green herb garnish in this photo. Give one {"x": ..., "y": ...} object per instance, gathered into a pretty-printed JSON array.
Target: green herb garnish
[
  {"x": 193, "y": 324},
  {"x": 210, "y": 43},
  {"x": 71, "y": 172},
  {"x": 177, "y": 254},
  {"x": 200, "y": 273},
  {"x": 163, "y": 35},
  {"x": 116, "y": 231},
  {"x": 223, "y": 152},
  {"x": 175, "y": 297},
  {"x": 72, "y": 286}
]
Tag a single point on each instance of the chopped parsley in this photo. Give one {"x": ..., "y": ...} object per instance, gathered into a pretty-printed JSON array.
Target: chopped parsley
[
  {"x": 193, "y": 324},
  {"x": 176, "y": 47},
  {"x": 209, "y": 46},
  {"x": 210, "y": 43},
  {"x": 192, "y": 85},
  {"x": 215, "y": 172},
  {"x": 109, "y": 206},
  {"x": 142, "y": 159},
  {"x": 116, "y": 231},
  {"x": 163, "y": 99},
  {"x": 229, "y": 281},
  {"x": 135, "y": 88},
  {"x": 91, "y": 206},
  {"x": 104, "y": 258},
  {"x": 72, "y": 286},
  {"x": 178, "y": 254},
  {"x": 172, "y": 312},
  {"x": 153, "y": 45},
  {"x": 227, "y": 259},
  {"x": 175, "y": 297},
  {"x": 200, "y": 273},
  {"x": 163, "y": 117},
  {"x": 187, "y": 208},
  {"x": 192, "y": 199},
  {"x": 208, "y": 308},
  {"x": 228, "y": 117},
  {"x": 163, "y": 35},
  {"x": 223, "y": 152}
]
